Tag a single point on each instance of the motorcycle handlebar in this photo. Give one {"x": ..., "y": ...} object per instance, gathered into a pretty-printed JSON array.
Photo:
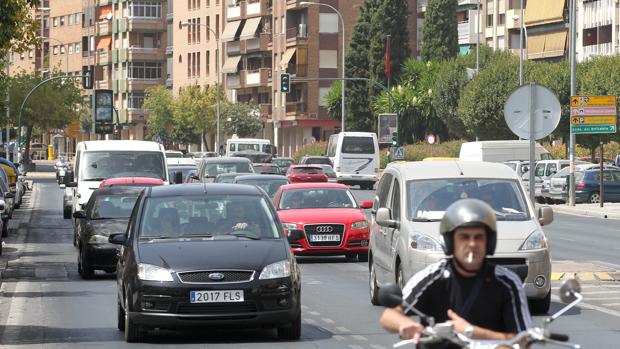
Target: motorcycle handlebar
[{"x": 560, "y": 337}]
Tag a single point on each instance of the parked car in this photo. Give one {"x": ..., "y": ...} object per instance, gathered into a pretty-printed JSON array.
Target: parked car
[
  {"x": 269, "y": 183},
  {"x": 16, "y": 187},
  {"x": 557, "y": 192},
  {"x": 543, "y": 170},
  {"x": 130, "y": 182},
  {"x": 315, "y": 160},
  {"x": 67, "y": 201},
  {"x": 7, "y": 197},
  {"x": 209, "y": 168},
  {"x": 412, "y": 198},
  {"x": 266, "y": 168},
  {"x": 306, "y": 173},
  {"x": 587, "y": 185},
  {"x": 283, "y": 164},
  {"x": 520, "y": 167},
  {"x": 226, "y": 177},
  {"x": 206, "y": 255},
  {"x": 2, "y": 208},
  {"x": 106, "y": 212},
  {"x": 329, "y": 216}
]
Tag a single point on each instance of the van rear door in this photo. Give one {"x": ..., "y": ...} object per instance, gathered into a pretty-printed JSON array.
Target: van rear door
[{"x": 358, "y": 155}]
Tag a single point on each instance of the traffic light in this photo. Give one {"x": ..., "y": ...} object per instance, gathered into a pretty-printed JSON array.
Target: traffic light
[
  {"x": 395, "y": 139},
  {"x": 285, "y": 83},
  {"x": 88, "y": 73}
]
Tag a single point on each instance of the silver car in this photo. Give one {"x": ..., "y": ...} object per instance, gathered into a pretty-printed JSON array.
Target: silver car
[
  {"x": 411, "y": 200},
  {"x": 557, "y": 188}
]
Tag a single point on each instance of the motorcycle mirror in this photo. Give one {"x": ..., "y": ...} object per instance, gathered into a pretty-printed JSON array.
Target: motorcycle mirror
[
  {"x": 390, "y": 296},
  {"x": 568, "y": 289}
]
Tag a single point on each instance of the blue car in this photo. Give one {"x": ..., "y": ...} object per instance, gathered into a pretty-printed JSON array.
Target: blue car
[{"x": 587, "y": 186}]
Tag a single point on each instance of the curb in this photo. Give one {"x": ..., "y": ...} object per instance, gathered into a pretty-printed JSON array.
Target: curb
[{"x": 586, "y": 212}]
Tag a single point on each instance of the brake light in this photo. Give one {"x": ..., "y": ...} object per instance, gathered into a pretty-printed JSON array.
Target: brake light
[{"x": 580, "y": 186}]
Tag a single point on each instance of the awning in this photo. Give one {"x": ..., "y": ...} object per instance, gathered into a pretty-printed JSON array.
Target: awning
[
  {"x": 230, "y": 66},
  {"x": 104, "y": 11},
  {"x": 230, "y": 31},
  {"x": 544, "y": 11},
  {"x": 249, "y": 28},
  {"x": 555, "y": 44},
  {"x": 104, "y": 43},
  {"x": 286, "y": 57},
  {"x": 535, "y": 46}
]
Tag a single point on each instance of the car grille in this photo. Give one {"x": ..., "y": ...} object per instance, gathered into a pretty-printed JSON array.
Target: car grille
[
  {"x": 202, "y": 276},
  {"x": 216, "y": 308},
  {"x": 517, "y": 265},
  {"x": 311, "y": 229}
]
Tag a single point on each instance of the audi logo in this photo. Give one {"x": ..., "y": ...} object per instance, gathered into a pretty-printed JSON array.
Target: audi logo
[
  {"x": 324, "y": 229},
  {"x": 216, "y": 276}
]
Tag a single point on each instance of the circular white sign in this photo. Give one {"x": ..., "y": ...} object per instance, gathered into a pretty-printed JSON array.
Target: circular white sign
[
  {"x": 545, "y": 107},
  {"x": 430, "y": 139}
]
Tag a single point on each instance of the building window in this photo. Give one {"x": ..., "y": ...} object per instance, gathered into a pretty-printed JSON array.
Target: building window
[
  {"x": 217, "y": 24},
  {"x": 208, "y": 61},
  {"x": 198, "y": 29},
  {"x": 198, "y": 64},
  {"x": 144, "y": 9},
  {"x": 62, "y": 20},
  {"x": 323, "y": 91},
  {"x": 77, "y": 18},
  {"x": 135, "y": 100},
  {"x": 46, "y": 22},
  {"x": 193, "y": 63},
  {"x": 70, "y": 19},
  {"x": 208, "y": 19},
  {"x": 55, "y": 21},
  {"x": 77, "y": 47},
  {"x": 144, "y": 70},
  {"x": 62, "y": 49},
  {"x": 328, "y": 59},
  {"x": 501, "y": 43},
  {"x": 189, "y": 65},
  {"x": 502, "y": 19},
  {"x": 70, "y": 49},
  {"x": 328, "y": 23},
  {"x": 54, "y": 50},
  {"x": 489, "y": 20},
  {"x": 189, "y": 31}
]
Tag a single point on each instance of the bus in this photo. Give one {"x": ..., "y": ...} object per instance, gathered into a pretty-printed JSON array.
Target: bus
[{"x": 355, "y": 156}]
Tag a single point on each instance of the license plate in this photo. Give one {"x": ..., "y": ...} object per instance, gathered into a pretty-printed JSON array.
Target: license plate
[
  {"x": 327, "y": 237},
  {"x": 216, "y": 296}
]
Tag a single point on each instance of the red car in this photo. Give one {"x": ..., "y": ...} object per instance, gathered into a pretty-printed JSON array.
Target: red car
[
  {"x": 306, "y": 173},
  {"x": 332, "y": 221},
  {"x": 131, "y": 181}
]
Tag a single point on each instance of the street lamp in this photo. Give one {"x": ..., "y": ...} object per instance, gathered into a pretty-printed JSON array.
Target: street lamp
[
  {"x": 308, "y": 3},
  {"x": 217, "y": 86},
  {"x": 522, "y": 35}
]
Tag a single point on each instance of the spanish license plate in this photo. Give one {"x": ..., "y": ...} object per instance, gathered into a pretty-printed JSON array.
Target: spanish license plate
[
  {"x": 216, "y": 296},
  {"x": 325, "y": 237}
]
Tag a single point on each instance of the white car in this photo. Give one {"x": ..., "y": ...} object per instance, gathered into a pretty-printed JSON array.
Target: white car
[{"x": 558, "y": 183}]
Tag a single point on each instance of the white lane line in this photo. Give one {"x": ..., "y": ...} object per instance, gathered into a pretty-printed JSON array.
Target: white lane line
[
  {"x": 353, "y": 346},
  {"x": 339, "y": 338},
  {"x": 328, "y": 320},
  {"x": 604, "y": 299},
  {"x": 377, "y": 346},
  {"x": 316, "y": 282},
  {"x": 598, "y": 292},
  {"x": 304, "y": 307},
  {"x": 611, "y": 304},
  {"x": 310, "y": 321},
  {"x": 342, "y": 329},
  {"x": 565, "y": 239},
  {"x": 359, "y": 338},
  {"x": 315, "y": 313}
]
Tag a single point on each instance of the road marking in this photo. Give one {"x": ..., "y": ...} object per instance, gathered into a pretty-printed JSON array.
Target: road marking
[
  {"x": 359, "y": 338},
  {"x": 342, "y": 329},
  {"x": 591, "y": 307},
  {"x": 377, "y": 346},
  {"x": 586, "y": 276},
  {"x": 598, "y": 292},
  {"x": 611, "y": 304},
  {"x": 604, "y": 276},
  {"x": 556, "y": 276},
  {"x": 328, "y": 320},
  {"x": 353, "y": 346},
  {"x": 315, "y": 313},
  {"x": 604, "y": 299},
  {"x": 339, "y": 338}
]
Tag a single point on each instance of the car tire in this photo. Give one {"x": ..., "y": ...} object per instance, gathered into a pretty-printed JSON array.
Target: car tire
[
  {"x": 362, "y": 256},
  {"x": 120, "y": 313},
  {"x": 594, "y": 198},
  {"x": 133, "y": 333},
  {"x": 85, "y": 270},
  {"x": 5, "y": 228},
  {"x": 66, "y": 212},
  {"x": 291, "y": 331},
  {"x": 540, "y": 306},
  {"x": 400, "y": 276},
  {"x": 374, "y": 288}
]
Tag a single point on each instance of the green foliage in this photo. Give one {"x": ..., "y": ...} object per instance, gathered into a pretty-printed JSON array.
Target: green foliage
[
  {"x": 194, "y": 112},
  {"x": 18, "y": 27},
  {"x": 318, "y": 148},
  {"x": 440, "y": 31},
  {"x": 422, "y": 150},
  {"x": 333, "y": 100},
  {"x": 161, "y": 124},
  {"x": 242, "y": 119}
]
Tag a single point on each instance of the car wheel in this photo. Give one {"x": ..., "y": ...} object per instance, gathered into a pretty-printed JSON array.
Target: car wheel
[
  {"x": 133, "y": 333},
  {"x": 120, "y": 313},
  {"x": 362, "y": 256},
  {"x": 400, "y": 276},
  {"x": 374, "y": 288},
  {"x": 66, "y": 212},
  {"x": 540, "y": 306},
  {"x": 291, "y": 331},
  {"x": 5, "y": 228},
  {"x": 594, "y": 198},
  {"x": 85, "y": 270}
]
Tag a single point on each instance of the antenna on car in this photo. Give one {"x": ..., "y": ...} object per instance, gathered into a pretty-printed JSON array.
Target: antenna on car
[{"x": 460, "y": 169}]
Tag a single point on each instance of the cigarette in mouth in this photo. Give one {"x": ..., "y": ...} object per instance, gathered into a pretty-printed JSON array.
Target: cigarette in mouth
[{"x": 470, "y": 257}]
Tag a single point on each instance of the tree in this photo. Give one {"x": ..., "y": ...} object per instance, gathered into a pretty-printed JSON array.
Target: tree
[
  {"x": 440, "y": 31},
  {"x": 161, "y": 123},
  {"x": 18, "y": 32},
  {"x": 333, "y": 100},
  {"x": 195, "y": 109},
  {"x": 242, "y": 119}
]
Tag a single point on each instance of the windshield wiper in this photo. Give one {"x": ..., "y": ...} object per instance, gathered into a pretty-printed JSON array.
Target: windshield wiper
[{"x": 244, "y": 235}]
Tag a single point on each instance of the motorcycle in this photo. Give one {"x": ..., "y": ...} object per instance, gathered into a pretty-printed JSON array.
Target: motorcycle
[
  {"x": 61, "y": 167},
  {"x": 391, "y": 296}
]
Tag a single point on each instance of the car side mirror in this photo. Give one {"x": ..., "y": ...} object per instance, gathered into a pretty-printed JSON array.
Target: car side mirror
[
  {"x": 384, "y": 218},
  {"x": 194, "y": 177},
  {"x": 294, "y": 235},
  {"x": 178, "y": 177},
  {"x": 366, "y": 204},
  {"x": 545, "y": 215},
  {"x": 79, "y": 214},
  {"x": 2, "y": 207},
  {"x": 118, "y": 239}
]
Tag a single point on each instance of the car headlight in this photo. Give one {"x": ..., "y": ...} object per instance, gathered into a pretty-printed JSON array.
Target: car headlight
[
  {"x": 288, "y": 227},
  {"x": 359, "y": 225},
  {"x": 98, "y": 239},
  {"x": 149, "y": 272},
  {"x": 535, "y": 241},
  {"x": 276, "y": 270},
  {"x": 424, "y": 242}
]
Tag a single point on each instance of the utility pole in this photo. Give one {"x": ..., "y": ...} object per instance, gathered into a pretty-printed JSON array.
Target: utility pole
[{"x": 573, "y": 92}]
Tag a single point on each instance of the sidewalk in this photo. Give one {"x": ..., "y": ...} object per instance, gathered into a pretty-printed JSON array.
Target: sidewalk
[{"x": 610, "y": 210}]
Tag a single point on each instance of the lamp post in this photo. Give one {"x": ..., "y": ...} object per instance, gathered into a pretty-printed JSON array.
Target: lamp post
[
  {"x": 217, "y": 86},
  {"x": 308, "y": 3},
  {"x": 522, "y": 36}
]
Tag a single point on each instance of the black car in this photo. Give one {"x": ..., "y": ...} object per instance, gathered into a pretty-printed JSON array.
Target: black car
[
  {"x": 197, "y": 255},
  {"x": 283, "y": 163},
  {"x": 226, "y": 177},
  {"x": 209, "y": 168},
  {"x": 269, "y": 183},
  {"x": 106, "y": 212}
]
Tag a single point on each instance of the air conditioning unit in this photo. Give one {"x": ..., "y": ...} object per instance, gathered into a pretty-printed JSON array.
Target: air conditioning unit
[{"x": 303, "y": 30}]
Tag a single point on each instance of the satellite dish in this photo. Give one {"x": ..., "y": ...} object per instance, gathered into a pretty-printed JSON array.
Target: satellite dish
[
  {"x": 109, "y": 16},
  {"x": 545, "y": 106}
]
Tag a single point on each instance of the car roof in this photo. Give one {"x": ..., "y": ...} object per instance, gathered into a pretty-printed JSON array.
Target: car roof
[
  {"x": 122, "y": 145},
  {"x": 307, "y": 166},
  {"x": 313, "y": 185},
  {"x": 227, "y": 159},
  {"x": 201, "y": 188},
  {"x": 416, "y": 170},
  {"x": 260, "y": 176},
  {"x": 180, "y": 161},
  {"x": 316, "y": 156},
  {"x": 229, "y": 174},
  {"x": 119, "y": 190}
]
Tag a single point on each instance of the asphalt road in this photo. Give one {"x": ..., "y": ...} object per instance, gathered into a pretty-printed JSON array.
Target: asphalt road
[{"x": 45, "y": 304}]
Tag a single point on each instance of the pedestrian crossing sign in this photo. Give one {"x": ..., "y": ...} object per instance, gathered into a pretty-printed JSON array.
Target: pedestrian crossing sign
[{"x": 399, "y": 153}]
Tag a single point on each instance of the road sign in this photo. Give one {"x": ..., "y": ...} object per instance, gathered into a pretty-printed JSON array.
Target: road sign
[
  {"x": 593, "y": 101},
  {"x": 399, "y": 153},
  {"x": 430, "y": 139},
  {"x": 593, "y": 128},
  {"x": 593, "y": 111},
  {"x": 593, "y": 120},
  {"x": 535, "y": 103}
]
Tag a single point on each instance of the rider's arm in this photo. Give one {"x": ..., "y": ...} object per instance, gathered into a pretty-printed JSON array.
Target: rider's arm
[
  {"x": 461, "y": 324},
  {"x": 394, "y": 320}
]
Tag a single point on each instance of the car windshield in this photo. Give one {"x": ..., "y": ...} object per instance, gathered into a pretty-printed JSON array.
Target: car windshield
[
  {"x": 308, "y": 170},
  {"x": 282, "y": 162},
  {"x": 185, "y": 171},
  {"x": 429, "y": 199},
  {"x": 226, "y": 178},
  {"x": 100, "y": 165},
  {"x": 215, "y": 169},
  {"x": 317, "y": 161},
  {"x": 244, "y": 216},
  {"x": 112, "y": 206},
  {"x": 316, "y": 198},
  {"x": 270, "y": 186}
]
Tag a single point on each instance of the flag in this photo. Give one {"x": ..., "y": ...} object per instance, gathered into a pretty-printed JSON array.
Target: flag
[{"x": 387, "y": 56}]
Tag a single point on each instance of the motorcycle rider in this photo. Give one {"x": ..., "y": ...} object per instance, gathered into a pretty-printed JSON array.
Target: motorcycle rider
[{"x": 481, "y": 300}]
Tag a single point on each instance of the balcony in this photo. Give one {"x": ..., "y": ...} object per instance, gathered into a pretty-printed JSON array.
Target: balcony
[
  {"x": 142, "y": 24},
  {"x": 467, "y": 32},
  {"x": 236, "y": 11},
  {"x": 104, "y": 57},
  {"x": 141, "y": 84},
  {"x": 257, "y": 77},
  {"x": 135, "y": 115},
  {"x": 296, "y": 108},
  {"x": 468, "y": 3},
  {"x": 261, "y": 43},
  {"x": 295, "y": 36},
  {"x": 234, "y": 47},
  {"x": 104, "y": 27},
  {"x": 145, "y": 54},
  {"x": 234, "y": 81},
  {"x": 102, "y": 84},
  {"x": 255, "y": 8}
]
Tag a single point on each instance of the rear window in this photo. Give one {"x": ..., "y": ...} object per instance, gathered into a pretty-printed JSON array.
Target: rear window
[
  {"x": 317, "y": 161},
  {"x": 112, "y": 206},
  {"x": 358, "y": 145},
  {"x": 308, "y": 170},
  {"x": 215, "y": 169}
]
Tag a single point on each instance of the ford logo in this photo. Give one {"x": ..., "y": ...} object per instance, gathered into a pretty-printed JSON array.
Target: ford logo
[
  {"x": 324, "y": 229},
  {"x": 216, "y": 276}
]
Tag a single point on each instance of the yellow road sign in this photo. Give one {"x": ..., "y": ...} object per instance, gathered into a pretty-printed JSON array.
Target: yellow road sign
[
  {"x": 593, "y": 101},
  {"x": 593, "y": 120}
]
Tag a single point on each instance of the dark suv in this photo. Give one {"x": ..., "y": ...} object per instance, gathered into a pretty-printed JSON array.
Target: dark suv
[{"x": 209, "y": 168}]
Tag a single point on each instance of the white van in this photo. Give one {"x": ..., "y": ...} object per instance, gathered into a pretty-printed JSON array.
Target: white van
[
  {"x": 355, "y": 156},
  {"x": 501, "y": 151},
  {"x": 99, "y": 160},
  {"x": 234, "y": 145}
]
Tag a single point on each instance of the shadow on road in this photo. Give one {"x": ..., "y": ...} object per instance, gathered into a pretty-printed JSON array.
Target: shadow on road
[{"x": 320, "y": 259}]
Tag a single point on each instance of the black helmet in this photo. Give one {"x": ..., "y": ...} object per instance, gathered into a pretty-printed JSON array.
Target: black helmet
[{"x": 468, "y": 213}]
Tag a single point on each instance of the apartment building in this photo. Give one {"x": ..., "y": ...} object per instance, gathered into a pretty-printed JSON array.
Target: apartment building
[{"x": 597, "y": 28}]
